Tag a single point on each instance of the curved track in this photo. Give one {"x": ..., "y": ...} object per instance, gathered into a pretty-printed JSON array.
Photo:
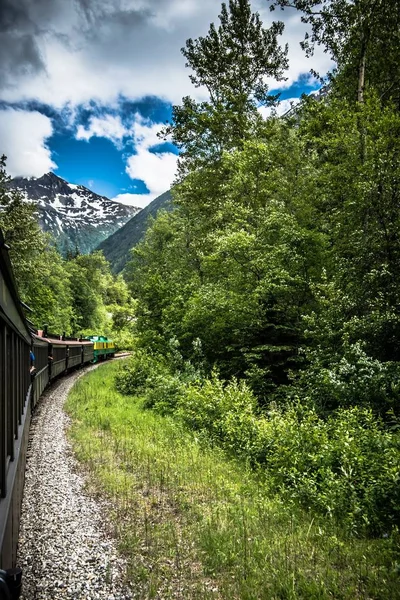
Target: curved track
[{"x": 64, "y": 549}]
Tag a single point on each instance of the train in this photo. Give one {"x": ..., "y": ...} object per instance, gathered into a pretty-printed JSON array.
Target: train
[
  {"x": 53, "y": 355},
  {"x": 30, "y": 360},
  {"x": 103, "y": 348}
]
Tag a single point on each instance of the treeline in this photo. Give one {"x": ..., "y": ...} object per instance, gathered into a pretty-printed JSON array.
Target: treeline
[
  {"x": 269, "y": 299},
  {"x": 77, "y": 295}
]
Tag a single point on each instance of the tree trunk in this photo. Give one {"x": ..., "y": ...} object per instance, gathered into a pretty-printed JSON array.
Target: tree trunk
[{"x": 361, "y": 78}]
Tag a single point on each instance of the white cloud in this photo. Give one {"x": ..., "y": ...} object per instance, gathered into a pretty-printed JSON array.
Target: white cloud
[
  {"x": 23, "y": 137},
  {"x": 109, "y": 126},
  {"x": 156, "y": 169},
  {"x": 139, "y": 200},
  {"x": 99, "y": 49}
]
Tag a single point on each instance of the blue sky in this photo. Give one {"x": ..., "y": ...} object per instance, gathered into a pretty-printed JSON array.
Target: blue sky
[{"x": 87, "y": 85}]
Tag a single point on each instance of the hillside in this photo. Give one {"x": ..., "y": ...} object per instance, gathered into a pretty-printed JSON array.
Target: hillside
[
  {"x": 116, "y": 247},
  {"x": 74, "y": 215}
]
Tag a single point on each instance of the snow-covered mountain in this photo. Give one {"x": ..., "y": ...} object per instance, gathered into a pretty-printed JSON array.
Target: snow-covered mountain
[{"x": 73, "y": 214}]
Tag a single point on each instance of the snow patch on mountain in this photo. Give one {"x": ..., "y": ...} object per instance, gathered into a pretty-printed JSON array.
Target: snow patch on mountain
[{"x": 73, "y": 214}]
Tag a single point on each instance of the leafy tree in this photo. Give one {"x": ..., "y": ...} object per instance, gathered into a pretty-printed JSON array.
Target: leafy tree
[
  {"x": 38, "y": 268},
  {"x": 231, "y": 63},
  {"x": 233, "y": 264},
  {"x": 362, "y": 37},
  {"x": 89, "y": 276},
  {"x": 353, "y": 336}
]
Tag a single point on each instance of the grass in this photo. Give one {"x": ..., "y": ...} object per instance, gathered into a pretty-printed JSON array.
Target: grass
[{"x": 194, "y": 524}]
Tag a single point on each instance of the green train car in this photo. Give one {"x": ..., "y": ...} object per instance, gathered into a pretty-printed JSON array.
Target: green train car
[{"x": 103, "y": 348}]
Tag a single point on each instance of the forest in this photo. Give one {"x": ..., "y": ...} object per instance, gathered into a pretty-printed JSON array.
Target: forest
[
  {"x": 264, "y": 310},
  {"x": 76, "y": 295},
  {"x": 268, "y": 313}
]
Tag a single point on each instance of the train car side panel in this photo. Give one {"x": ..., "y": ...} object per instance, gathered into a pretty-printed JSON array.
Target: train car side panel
[
  {"x": 58, "y": 352},
  {"x": 15, "y": 411},
  {"x": 42, "y": 375}
]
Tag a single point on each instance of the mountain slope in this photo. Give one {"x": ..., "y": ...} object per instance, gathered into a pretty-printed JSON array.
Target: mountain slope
[
  {"x": 73, "y": 214},
  {"x": 116, "y": 247}
]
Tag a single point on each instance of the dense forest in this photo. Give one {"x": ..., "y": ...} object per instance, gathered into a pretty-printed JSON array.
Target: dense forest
[
  {"x": 268, "y": 313},
  {"x": 265, "y": 308},
  {"x": 77, "y": 295}
]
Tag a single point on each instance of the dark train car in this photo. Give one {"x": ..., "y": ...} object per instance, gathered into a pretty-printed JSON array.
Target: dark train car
[
  {"x": 15, "y": 388},
  {"x": 79, "y": 352},
  {"x": 55, "y": 355},
  {"x": 58, "y": 353},
  {"x": 41, "y": 377}
]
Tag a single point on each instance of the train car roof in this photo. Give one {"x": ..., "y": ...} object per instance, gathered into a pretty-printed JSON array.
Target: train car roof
[{"x": 60, "y": 342}]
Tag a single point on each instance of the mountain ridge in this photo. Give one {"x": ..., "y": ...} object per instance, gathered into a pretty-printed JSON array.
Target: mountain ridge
[
  {"x": 76, "y": 216},
  {"x": 117, "y": 246}
]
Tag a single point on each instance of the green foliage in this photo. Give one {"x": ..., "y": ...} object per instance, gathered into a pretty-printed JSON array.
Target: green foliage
[
  {"x": 193, "y": 523},
  {"x": 233, "y": 264},
  {"x": 345, "y": 467},
  {"x": 138, "y": 373},
  {"x": 231, "y": 63}
]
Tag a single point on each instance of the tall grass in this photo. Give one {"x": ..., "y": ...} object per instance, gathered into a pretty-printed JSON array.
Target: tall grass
[{"x": 194, "y": 524}]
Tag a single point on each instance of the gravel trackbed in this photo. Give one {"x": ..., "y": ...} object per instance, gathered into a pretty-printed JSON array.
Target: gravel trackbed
[{"x": 64, "y": 550}]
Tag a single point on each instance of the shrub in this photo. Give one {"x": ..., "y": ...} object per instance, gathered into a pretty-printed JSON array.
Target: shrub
[
  {"x": 164, "y": 394},
  {"x": 346, "y": 467},
  {"x": 226, "y": 412},
  {"x": 139, "y": 373}
]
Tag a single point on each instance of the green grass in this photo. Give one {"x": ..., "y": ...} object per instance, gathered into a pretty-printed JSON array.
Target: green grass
[{"x": 194, "y": 524}]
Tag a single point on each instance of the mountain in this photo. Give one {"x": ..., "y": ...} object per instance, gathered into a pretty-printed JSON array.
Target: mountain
[
  {"x": 116, "y": 247},
  {"x": 73, "y": 214}
]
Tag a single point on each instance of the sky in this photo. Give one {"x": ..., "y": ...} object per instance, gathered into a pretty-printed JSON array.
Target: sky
[{"x": 86, "y": 85}]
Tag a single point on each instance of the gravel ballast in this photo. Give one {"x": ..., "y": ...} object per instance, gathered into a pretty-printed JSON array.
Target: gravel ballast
[{"x": 64, "y": 549}]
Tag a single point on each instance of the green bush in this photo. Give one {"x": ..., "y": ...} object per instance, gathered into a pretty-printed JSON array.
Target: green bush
[
  {"x": 227, "y": 412},
  {"x": 353, "y": 379},
  {"x": 139, "y": 373},
  {"x": 164, "y": 394},
  {"x": 346, "y": 467}
]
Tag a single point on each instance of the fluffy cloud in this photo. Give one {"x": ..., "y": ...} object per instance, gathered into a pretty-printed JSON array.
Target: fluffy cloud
[
  {"x": 61, "y": 52},
  {"x": 108, "y": 126},
  {"x": 23, "y": 138},
  {"x": 156, "y": 169}
]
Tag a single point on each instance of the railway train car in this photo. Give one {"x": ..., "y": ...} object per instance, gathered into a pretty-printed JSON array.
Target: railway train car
[
  {"x": 54, "y": 356},
  {"x": 29, "y": 361},
  {"x": 103, "y": 347}
]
